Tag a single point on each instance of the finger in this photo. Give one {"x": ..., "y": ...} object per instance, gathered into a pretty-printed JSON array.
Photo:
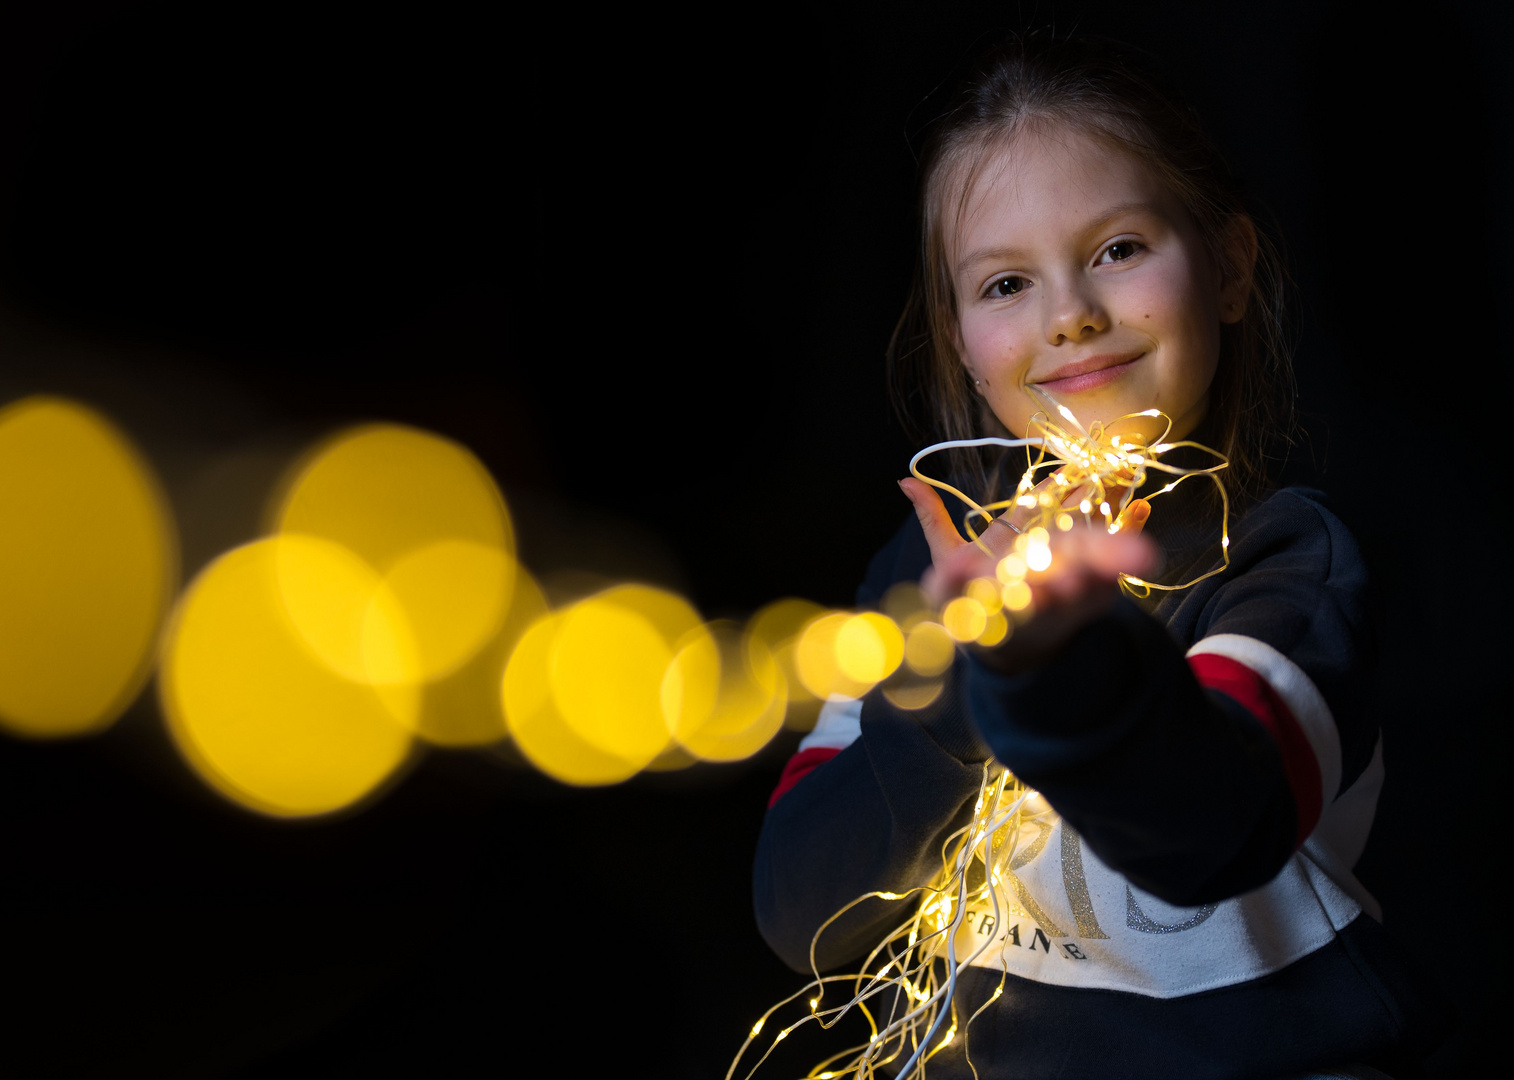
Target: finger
[
  {"x": 1132, "y": 519},
  {"x": 940, "y": 531},
  {"x": 1000, "y": 535}
]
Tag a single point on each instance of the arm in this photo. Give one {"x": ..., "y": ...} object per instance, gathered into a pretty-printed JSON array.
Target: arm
[
  {"x": 1197, "y": 777},
  {"x": 872, "y": 817},
  {"x": 865, "y": 804}
]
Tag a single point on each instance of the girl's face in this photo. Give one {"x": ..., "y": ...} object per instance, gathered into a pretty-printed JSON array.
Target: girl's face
[{"x": 1077, "y": 271}]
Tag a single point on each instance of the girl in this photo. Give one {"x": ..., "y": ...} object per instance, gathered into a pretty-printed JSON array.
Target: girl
[{"x": 1187, "y": 906}]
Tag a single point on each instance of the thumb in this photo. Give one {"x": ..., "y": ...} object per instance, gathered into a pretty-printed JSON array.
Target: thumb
[{"x": 940, "y": 531}]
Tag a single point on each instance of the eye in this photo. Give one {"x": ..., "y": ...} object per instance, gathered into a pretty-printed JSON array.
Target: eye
[
  {"x": 1121, "y": 250},
  {"x": 1010, "y": 285}
]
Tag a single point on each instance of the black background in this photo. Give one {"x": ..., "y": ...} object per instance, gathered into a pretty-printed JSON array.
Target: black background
[{"x": 645, "y": 267}]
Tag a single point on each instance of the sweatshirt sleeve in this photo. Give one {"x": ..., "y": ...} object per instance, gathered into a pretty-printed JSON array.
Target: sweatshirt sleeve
[
  {"x": 865, "y": 804},
  {"x": 1196, "y": 757},
  {"x": 872, "y": 816}
]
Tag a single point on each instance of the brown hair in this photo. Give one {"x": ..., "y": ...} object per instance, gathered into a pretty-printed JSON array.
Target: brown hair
[{"x": 1095, "y": 87}]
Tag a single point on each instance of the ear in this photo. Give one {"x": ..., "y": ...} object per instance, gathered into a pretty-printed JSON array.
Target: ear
[{"x": 1240, "y": 247}]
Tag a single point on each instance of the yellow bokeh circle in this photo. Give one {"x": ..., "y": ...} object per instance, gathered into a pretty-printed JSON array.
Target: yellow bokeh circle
[
  {"x": 342, "y": 612},
  {"x": 535, "y": 724},
  {"x": 1016, "y": 595},
  {"x": 465, "y": 708},
  {"x": 995, "y": 629},
  {"x": 259, "y": 714},
  {"x": 986, "y": 592},
  {"x": 723, "y": 695},
  {"x": 929, "y": 650},
  {"x": 88, "y": 562},
  {"x": 817, "y": 663},
  {"x": 869, "y": 647},
  {"x": 425, "y": 514},
  {"x": 583, "y": 693},
  {"x": 775, "y": 629},
  {"x": 608, "y": 665},
  {"x": 914, "y": 694},
  {"x": 453, "y": 593},
  {"x": 964, "y": 618}
]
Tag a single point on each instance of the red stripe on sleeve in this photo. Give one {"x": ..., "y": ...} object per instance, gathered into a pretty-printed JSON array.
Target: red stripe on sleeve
[
  {"x": 1235, "y": 679},
  {"x": 799, "y": 766}
]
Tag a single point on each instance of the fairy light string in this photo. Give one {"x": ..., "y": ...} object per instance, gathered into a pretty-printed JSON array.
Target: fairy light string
[
  {"x": 1097, "y": 475},
  {"x": 913, "y": 971},
  {"x": 917, "y": 964}
]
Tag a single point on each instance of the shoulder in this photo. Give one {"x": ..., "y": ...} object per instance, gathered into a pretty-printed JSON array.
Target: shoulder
[
  {"x": 1296, "y": 581},
  {"x": 1295, "y": 528}
]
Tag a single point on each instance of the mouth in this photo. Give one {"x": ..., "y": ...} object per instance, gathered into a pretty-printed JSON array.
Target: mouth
[{"x": 1088, "y": 374}]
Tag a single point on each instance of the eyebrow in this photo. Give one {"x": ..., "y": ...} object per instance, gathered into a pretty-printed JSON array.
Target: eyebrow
[{"x": 1011, "y": 254}]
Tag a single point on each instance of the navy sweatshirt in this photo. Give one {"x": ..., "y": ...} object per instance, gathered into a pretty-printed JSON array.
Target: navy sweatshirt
[{"x": 1185, "y": 904}]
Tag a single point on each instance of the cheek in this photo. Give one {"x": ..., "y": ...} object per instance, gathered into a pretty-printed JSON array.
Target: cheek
[
  {"x": 1184, "y": 317},
  {"x": 1014, "y": 411},
  {"x": 992, "y": 349},
  {"x": 1177, "y": 310},
  {"x": 1159, "y": 301}
]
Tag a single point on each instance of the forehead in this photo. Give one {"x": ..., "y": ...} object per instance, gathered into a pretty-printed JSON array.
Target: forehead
[{"x": 1045, "y": 184}]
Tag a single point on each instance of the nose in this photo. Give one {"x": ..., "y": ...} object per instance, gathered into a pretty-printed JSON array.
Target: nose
[{"x": 1073, "y": 311}]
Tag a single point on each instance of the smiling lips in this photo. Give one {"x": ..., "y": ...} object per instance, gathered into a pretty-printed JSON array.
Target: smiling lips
[{"x": 1089, "y": 374}]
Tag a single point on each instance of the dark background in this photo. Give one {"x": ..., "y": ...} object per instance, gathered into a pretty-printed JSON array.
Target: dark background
[{"x": 645, "y": 267}]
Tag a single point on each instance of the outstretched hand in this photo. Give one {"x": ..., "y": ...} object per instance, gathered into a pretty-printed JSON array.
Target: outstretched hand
[{"x": 1079, "y": 585}]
